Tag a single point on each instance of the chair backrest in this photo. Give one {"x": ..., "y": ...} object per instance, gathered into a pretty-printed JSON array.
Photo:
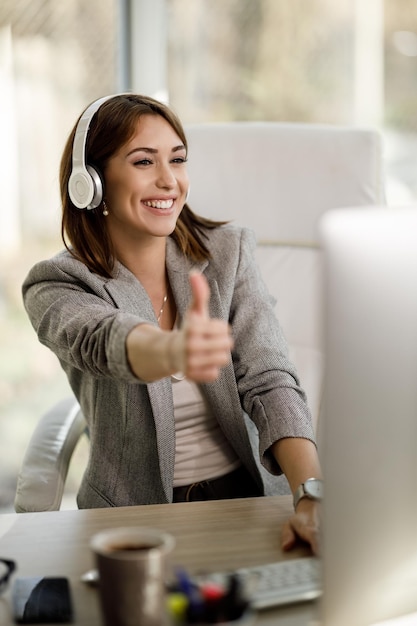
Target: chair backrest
[
  {"x": 278, "y": 179},
  {"x": 41, "y": 480}
]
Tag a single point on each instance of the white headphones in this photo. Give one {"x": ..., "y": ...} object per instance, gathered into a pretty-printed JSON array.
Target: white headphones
[{"x": 85, "y": 187}]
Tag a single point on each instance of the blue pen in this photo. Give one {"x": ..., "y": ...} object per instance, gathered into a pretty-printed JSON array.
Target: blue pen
[{"x": 195, "y": 609}]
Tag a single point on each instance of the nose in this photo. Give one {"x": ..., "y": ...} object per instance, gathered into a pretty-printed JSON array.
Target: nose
[{"x": 165, "y": 177}]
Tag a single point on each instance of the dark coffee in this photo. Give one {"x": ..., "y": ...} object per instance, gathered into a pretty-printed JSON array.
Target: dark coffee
[{"x": 131, "y": 547}]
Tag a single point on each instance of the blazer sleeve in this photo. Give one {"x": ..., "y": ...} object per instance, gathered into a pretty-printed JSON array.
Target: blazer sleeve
[
  {"x": 267, "y": 380},
  {"x": 74, "y": 315}
]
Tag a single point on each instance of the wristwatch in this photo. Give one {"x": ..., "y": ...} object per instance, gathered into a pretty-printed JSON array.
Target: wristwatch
[{"x": 312, "y": 488}]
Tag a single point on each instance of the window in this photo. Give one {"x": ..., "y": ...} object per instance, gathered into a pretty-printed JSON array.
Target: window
[
  {"x": 318, "y": 61},
  {"x": 54, "y": 58}
]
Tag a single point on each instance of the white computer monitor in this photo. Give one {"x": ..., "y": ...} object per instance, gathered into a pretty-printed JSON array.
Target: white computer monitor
[{"x": 368, "y": 431}]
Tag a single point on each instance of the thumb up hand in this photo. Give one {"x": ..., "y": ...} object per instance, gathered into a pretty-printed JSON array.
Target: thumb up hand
[{"x": 208, "y": 341}]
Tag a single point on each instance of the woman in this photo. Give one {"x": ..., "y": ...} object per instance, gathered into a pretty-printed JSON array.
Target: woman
[{"x": 164, "y": 327}]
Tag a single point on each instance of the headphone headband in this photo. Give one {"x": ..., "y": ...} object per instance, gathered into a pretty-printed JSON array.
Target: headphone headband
[{"x": 85, "y": 187}]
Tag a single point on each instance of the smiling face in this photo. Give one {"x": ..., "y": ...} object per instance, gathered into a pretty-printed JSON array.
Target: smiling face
[{"x": 146, "y": 183}]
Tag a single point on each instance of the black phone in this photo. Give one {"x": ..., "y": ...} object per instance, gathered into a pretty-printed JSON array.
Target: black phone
[{"x": 42, "y": 600}]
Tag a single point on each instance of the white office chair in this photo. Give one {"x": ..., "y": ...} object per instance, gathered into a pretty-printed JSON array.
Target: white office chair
[
  {"x": 41, "y": 480},
  {"x": 278, "y": 179}
]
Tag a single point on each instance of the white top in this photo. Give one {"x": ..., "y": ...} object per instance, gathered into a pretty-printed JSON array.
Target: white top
[{"x": 202, "y": 452}]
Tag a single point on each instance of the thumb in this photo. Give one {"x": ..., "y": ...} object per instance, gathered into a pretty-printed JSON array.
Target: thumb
[{"x": 201, "y": 294}]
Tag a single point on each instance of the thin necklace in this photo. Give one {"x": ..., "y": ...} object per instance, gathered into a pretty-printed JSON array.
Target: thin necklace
[{"x": 158, "y": 319}]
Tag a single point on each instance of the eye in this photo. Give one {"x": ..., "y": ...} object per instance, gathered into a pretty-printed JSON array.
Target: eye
[
  {"x": 180, "y": 160},
  {"x": 143, "y": 162}
]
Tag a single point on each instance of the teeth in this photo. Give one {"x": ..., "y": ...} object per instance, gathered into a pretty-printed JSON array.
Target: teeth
[{"x": 160, "y": 204}]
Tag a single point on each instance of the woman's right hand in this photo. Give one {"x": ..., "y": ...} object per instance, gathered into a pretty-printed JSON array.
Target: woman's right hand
[
  {"x": 207, "y": 341},
  {"x": 199, "y": 349}
]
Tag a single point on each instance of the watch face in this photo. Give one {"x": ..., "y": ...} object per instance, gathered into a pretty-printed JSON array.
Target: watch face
[{"x": 314, "y": 488}]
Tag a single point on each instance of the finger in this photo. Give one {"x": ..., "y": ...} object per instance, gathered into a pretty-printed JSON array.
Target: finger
[
  {"x": 204, "y": 375},
  {"x": 214, "y": 358},
  {"x": 288, "y": 537},
  {"x": 201, "y": 294},
  {"x": 208, "y": 339},
  {"x": 206, "y": 364},
  {"x": 304, "y": 529}
]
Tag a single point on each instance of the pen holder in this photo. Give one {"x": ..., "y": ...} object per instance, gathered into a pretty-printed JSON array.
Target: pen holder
[{"x": 195, "y": 602}]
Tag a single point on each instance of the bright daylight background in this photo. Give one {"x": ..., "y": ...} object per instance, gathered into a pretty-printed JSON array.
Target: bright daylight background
[{"x": 350, "y": 62}]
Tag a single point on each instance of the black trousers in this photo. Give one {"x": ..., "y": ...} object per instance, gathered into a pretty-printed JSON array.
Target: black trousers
[{"x": 237, "y": 484}]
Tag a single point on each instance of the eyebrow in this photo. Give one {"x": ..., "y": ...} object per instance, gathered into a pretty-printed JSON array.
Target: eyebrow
[{"x": 154, "y": 151}]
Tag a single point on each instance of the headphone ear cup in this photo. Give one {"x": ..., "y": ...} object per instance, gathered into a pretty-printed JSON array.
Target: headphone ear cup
[
  {"x": 80, "y": 188},
  {"x": 85, "y": 188},
  {"x": 98, "y": 185},
  {"x": 85, "y": 185}
]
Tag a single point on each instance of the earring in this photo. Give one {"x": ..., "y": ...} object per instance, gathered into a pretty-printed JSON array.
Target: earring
[{"x": 105, "y": 209}]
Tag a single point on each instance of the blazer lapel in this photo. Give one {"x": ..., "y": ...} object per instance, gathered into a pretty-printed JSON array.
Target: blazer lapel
[
  {"x": 160, "y": 395},
  {"x": 129, "y": 295},
  {"x": 179, "y": 268}
]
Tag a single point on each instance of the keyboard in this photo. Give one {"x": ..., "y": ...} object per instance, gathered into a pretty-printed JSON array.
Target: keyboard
[{"x": 284, "y": 582}]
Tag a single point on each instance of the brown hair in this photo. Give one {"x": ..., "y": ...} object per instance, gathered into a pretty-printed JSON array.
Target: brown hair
[{"x": 84, "y": 232}]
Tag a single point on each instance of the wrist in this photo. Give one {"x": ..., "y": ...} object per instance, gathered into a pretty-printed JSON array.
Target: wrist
[
  {"x": 310, "y": 490},
  {"x": 153, "y": 353},
  {"x": 306, "y": 505},
  {"x": 176, "y": 351}
]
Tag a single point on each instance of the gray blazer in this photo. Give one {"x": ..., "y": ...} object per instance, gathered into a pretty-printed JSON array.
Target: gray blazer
[{"x": 85, "y": 318}]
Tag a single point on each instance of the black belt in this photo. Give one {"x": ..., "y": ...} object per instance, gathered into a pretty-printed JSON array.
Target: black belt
[{"x": 236, "y": 484}]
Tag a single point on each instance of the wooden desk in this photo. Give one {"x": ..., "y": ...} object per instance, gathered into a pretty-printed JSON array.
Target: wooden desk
[{"x": 212, "y": 536}]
